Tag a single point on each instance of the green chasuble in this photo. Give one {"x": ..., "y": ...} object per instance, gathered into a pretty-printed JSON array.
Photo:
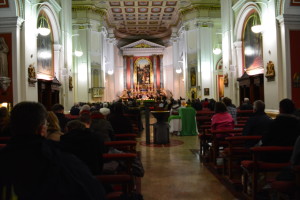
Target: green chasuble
[{"x": 188, "y": 121}]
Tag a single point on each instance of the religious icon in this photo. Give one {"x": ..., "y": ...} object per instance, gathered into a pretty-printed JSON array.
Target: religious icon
[
  {"x": 70, "y": 83},
  {"x": 3, "y": 57},
  {"x": 31, "y": 75},
  {"x": 270, "y": 74},
  {"x": 206, "y": 91},
  {"x": 143, "y": 70},
  {"x": 296, "y": 80},
  {"x": 193, "y": 77},
  {"x": 226, "y": 80}
]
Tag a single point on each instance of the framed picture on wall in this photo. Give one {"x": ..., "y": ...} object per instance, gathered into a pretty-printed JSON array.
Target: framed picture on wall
[
  {"x": 206, "y": 91},
  {"x": 3, "y": 3},
  {"x": 97, "y": 92}
]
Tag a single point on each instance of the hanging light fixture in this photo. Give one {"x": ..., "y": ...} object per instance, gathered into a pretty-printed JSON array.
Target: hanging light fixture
[
  {"x": 43, "y": 28},
  {"x": 256, "y": 28},
  {"x": 78, "y": 51},
  {"x": 217, "y": 50},
  {"x": 110, "y": 72}
]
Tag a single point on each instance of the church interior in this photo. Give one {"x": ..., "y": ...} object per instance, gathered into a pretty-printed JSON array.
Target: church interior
[{"x": 93, "y": 51}]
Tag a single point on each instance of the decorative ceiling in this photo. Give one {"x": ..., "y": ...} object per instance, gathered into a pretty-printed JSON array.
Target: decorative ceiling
[{"x": 145, "y": 18}]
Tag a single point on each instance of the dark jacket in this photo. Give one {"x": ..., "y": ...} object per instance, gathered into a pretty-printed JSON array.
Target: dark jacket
[
  {"x": 258, "y": 124},
  {"x": 87, "y": 146},
  {"x": 283, "y": 131},
  {"x": 62, "y": 121},
  {"x": 37, "y": 169},
  {"x": 120, "y": 123}
]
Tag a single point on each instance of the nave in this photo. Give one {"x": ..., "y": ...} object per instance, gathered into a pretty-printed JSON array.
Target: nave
[{"x": 176, "y": 173}]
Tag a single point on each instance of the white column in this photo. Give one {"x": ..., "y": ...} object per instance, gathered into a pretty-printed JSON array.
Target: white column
[{"x": 206, "y": 58}]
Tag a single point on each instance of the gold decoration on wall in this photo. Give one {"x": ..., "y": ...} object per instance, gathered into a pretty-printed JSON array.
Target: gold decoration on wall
[
  {"x": 142, "y": 45},
  {"x": 31, "y": 75},
  {"x": 270, "y": 74},
  {"x": 70, "y": 83},
  {"x": 226, "y": 80}
]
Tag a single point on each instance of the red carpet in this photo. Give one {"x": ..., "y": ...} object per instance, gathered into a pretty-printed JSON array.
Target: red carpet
[{"x": 172, "y": 143}]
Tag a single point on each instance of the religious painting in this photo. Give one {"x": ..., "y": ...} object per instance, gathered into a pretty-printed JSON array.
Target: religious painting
[
  {"x": 206, "y": 91},
  {"x": 270, "y": 74},
  {"x": 193, "y": 76},
  {"x": 97, "y": 92},
  {"x": 221, "y": 86},
  {"x": 295, "y": 2},
  {"x": 3, "y": 3},
  {"x": 6, "y": 92},
  {"x": 143, "y": 71},
  {"x": 45, "y": 51},
  {"x": 252, "y": 47}
]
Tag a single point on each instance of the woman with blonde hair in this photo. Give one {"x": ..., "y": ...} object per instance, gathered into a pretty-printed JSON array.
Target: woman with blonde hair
[{"x": 53, "y": 130}]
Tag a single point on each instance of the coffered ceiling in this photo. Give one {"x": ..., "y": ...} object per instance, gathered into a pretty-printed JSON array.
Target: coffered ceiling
[{"x": 145, "y": 18}]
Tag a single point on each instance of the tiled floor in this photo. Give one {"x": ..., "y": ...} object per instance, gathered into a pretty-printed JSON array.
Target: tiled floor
[{"x": 175, "y": 173}]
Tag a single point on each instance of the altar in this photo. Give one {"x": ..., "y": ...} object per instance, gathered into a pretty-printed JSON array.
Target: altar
[{"x": 143, "y": 71}]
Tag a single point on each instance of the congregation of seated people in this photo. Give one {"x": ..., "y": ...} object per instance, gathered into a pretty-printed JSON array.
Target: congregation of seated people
[{"x": 73, "y": 143}]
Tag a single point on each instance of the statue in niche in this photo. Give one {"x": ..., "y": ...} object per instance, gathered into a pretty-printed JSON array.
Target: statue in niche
[
  {"x": 226, "y": 80},
  {"x": 31, "y": 75},
  {"x": 270, "y": 74},
  {"x": 31, "y": 72},
  {"x": 3, "y": 57},
  {"x": 70, "y": 83},
  {"x": 193, "y": 77},
  {"x": 296, "y": 80}
]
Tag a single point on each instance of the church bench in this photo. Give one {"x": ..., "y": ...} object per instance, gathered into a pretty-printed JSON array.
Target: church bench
[
  {"x": 234, "y": 153},
  {"x": 252, "y": 169},
  {"x": 218, "y": 142}
]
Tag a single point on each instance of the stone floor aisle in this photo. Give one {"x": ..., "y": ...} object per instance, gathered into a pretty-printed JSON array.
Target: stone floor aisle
[{"x": 175, "y": 173}]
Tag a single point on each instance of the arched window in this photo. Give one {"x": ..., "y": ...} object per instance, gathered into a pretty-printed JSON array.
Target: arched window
[
  {"x": 44, "y": 47},
  {"x": 252, "y": 46}
]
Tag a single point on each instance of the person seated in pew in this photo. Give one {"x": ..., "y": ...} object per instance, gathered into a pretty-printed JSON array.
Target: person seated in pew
[
  {"x": 101, "y": 126},
  {"x": 37, "y": 168},
  {"x": 285, "y": 128},
  {"x": 246, "y": 105},
  {"x": 119, "y": 122},
  {"x": 221, "y": 120},
  {"x": 53, "y": 130},
  {"x": 231, "y": 108},
  {"x": 58, "y": 109},
  {"x": 258, "y": 124},
  {"x": 83, "y": 143}
]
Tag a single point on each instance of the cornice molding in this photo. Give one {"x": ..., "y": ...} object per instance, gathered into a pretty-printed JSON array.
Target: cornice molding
[
  {"x": 198, "y": 7},
  {"x": 100, "y": 11},
  {"x": 55, "y": 5},
  {"x": 11, "y": 22}
]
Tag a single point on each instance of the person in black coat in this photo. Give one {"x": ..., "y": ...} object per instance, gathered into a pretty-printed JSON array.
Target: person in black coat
[
  {"x": 119, "y": 122},
  {"x": 285, "y": 129},
  {"x": 58, "y": 109},
  {"x": 36, "y": 168},
  {"x": 259, "y": 123},
  {"x": 84, "y": 144}
]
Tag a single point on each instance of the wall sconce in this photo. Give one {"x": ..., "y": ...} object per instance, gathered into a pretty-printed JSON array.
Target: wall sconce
[
  {"x": 43, "y": 29},
  {"x": 218, "y": 49},
  {"x": 110, "y": 72},
  {"x": 78, "y": 51},
  {"x": 256, "y": 27},
  {"x": 179, "y": 70}
]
